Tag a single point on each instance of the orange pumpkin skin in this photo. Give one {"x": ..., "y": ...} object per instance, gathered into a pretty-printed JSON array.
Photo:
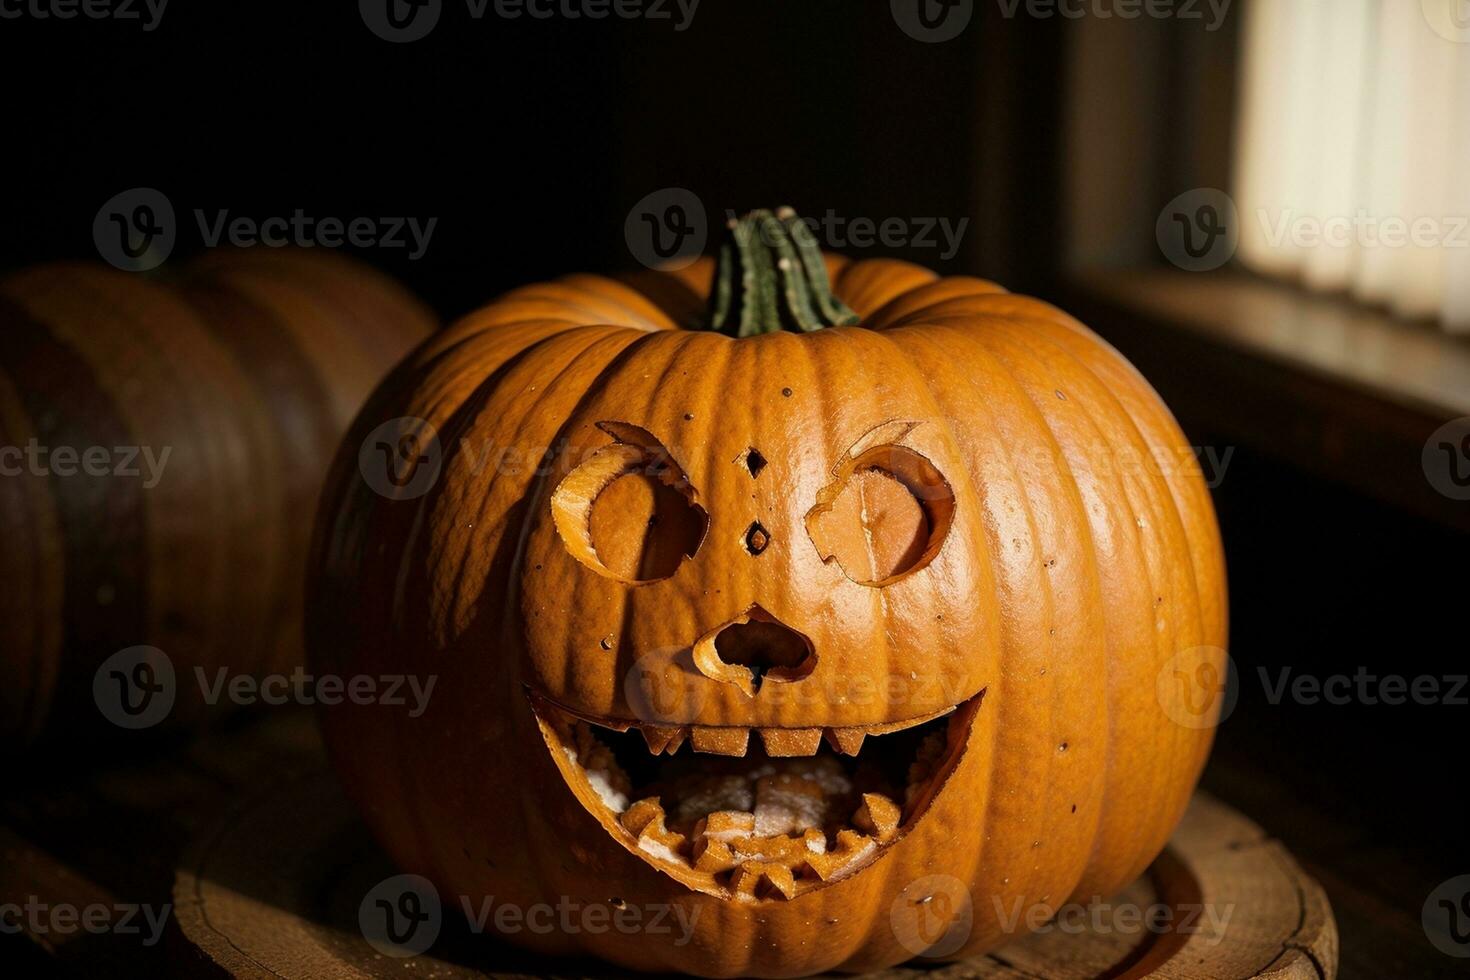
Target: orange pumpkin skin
[
  {"x": 1066, "y": 582},
  {"x": 245, "y": 368}
]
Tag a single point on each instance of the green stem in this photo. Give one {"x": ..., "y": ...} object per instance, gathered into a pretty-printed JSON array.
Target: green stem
[{"x": 771, "y": 277}]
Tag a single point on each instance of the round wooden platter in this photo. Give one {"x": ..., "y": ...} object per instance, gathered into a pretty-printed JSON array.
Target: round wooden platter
[{"x": 273, "y": 890}]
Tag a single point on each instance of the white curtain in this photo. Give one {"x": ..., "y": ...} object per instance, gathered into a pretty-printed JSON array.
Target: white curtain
[{"x": 1353, "y": 150}]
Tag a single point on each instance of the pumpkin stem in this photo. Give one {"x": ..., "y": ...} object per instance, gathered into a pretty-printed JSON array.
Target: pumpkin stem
[{"x": 771, "y": 277}]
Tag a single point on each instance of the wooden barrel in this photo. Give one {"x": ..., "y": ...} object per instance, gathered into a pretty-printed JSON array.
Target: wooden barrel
[{"x": 162, "y": 444}]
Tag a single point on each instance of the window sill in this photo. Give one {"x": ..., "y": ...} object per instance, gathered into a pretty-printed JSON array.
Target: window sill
[{"x": 1343, "y": 391}]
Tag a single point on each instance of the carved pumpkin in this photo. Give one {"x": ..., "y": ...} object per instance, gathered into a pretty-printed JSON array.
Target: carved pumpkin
[
  {"x": 211, "y": 403},
  {"x": 773, "y": 622}
]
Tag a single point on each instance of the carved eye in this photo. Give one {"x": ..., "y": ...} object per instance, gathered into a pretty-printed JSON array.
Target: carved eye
[
  {"x": 628, "y": 511},
  {"x": 885, "y": 514}
]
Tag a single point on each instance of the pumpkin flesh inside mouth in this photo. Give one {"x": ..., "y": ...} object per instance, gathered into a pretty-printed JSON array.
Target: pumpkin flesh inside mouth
[{"x": 754, "y": 819}]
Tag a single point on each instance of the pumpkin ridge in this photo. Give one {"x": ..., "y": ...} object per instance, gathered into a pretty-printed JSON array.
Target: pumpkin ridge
[
  {"x": 577, "y": 302},
  {"x": 472, "y": 409},
  {"x": 1129, "y": 499},
  {"x": 865, "y": 286},
  {"x": 894, "y": 312},
  {"x": 219, "y": 436},
  {"x": 919, "y": 334},
  {"x": 1163, "y": 506},
  {"x": 1112, "y": 656},
  {"x": 28, "y": 341}
]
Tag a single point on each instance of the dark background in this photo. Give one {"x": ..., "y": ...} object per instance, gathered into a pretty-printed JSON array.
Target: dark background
[{"x": 531, "y": 140}]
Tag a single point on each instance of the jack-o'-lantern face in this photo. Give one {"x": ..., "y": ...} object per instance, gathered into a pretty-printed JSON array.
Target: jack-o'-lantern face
[
  {"x": 758, "y": 702},
  {"x": 800, "y": 621}
]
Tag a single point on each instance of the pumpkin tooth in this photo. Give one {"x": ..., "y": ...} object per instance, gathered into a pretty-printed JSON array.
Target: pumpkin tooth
[
  {"x": 878, "y": 815},
  {"x": 756, "y": 879},
  {"x": 659, "y": 738},
  {"x": 641, "y": 814},
  {"x": 725, "y": 825},
  {"x": 720, "y": 740},
  {"x": 713, "y": 857},
  {"x": 846, "y": 740},
  {"x": 790, "y": 741}
]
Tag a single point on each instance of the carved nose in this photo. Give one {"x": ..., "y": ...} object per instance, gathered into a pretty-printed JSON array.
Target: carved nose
[{"x": 753, "y": 648}]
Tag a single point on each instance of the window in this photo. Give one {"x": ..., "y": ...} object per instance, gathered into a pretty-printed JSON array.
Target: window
[{"x": 1353, "y": 150}]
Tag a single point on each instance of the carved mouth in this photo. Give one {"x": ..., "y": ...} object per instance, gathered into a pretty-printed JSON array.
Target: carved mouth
[{"x": 752, "y": 819}]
